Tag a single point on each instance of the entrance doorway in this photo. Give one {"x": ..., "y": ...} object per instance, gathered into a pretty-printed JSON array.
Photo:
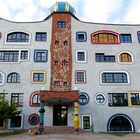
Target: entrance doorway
[{"x": 60, "y": 115}]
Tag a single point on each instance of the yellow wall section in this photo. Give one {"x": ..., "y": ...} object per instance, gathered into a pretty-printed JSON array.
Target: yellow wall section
[{"x": 129, "y": 98}]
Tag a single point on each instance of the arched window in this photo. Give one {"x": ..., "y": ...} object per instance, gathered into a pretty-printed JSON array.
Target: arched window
[
  {"x": 105, "y": 37},
  {"x": 120, "y": 123},
  {"x": 13, "y": 78},
  {"x": 17, "y": 37},
  {"x": 35, "y": 99},
  {"x": 1, "y": 78},
  {"x": 125, "y": 57}
]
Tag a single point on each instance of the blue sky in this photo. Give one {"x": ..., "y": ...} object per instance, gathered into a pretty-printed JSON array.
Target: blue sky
[{"x": 98, "y": 11}]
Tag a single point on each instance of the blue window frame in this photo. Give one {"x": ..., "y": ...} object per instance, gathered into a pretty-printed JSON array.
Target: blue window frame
[
  {"x": 41, "y": 36},
  {"x": 83, "y": 98},
  {"x": 114, "y": 78},
  {"x": 61, "y": 24},
  {"x": 125, "y": 38},
  {"x": 41, "y": 55},
  {"x": 81, "y": 36}
]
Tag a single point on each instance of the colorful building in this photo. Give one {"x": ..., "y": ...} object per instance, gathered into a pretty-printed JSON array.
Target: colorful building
[{"x": 60, "y": 67}]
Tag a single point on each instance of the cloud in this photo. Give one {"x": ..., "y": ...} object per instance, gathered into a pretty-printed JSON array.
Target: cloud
[{"x": 101, "y": 11}]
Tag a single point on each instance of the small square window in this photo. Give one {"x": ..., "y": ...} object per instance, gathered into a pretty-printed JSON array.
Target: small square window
[
  {"x": 81, "y": 36},
  {"x": 126, "y": 38},
  {"x": 40, "y": 55},
  {"x": 81, "y": 56},
  {"x": 80, "y": 77},
  {"x": 61, "y": 24},
  {"x": 38, "y": 77},
  {"x": 41, "y": 36}
]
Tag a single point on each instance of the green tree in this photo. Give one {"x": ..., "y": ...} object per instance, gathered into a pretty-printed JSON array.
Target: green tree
[{"x": 7, "y": 111}]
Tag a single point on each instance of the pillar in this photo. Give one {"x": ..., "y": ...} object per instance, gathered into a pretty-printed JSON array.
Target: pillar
[
  {"x": 76, "y": 118},
  {"x": 41, "y": 111}
]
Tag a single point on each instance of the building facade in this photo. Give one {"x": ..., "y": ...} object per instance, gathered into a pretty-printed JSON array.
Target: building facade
[{"x": 47, "y": 66}]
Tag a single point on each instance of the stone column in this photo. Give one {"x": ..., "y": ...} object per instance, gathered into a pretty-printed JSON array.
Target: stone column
[
  {"x": 41, "y": 111},
  {"x": 76, "y": 118}
]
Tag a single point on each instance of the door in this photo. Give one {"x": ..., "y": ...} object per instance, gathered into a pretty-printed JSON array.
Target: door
[{"x": 60, "y": 115}]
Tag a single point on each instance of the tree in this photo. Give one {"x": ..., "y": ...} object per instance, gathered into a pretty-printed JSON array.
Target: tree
[{"x": 7, "y": 111}]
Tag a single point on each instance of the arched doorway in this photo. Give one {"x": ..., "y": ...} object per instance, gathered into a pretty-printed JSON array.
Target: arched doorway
[{"x": 120, "y": 123}]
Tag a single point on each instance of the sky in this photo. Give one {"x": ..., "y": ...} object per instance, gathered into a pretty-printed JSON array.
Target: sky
[{"x": 97, "y": 11}]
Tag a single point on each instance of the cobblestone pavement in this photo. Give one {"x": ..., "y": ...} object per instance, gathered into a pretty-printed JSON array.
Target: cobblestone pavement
[{"x": 85, "y": 136}]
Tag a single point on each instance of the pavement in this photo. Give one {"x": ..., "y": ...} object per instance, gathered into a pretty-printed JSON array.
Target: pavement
[{"x": 85, "y": 136}]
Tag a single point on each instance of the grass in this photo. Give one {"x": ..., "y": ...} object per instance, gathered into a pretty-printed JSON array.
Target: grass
[{"x": 11, "y": 133}]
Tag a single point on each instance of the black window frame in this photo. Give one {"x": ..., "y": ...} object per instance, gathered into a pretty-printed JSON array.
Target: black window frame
[
  {"x": 135, "y": 98},
  {"x": 117, "y": 77},
  {"x": 101, "y": 57},
  {"x": 41, "y": 36},
  {"x": 16, "y": 37},
  {"x": 13, "y": 78},
  {"x": 19, "y": 99},
  {"x": 38, "y": 77},
  {"x": 125, "y": 38},
  {"x": 117, "y": 99}
]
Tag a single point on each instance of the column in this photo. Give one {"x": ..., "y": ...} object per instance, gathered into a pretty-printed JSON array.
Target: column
[
  {"x": 41, "y": 111},
  {"x": 76, "y": 118}
]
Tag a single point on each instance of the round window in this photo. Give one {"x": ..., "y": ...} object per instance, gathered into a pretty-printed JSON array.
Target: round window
[
  {"x": 83, "y": 98},
  {"x": 100, "y": 98},
  {"x": 34, "y": 119}
]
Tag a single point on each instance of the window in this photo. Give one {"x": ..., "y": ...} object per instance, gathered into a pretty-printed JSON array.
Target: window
[
  {"x": 80, "y": 77},
  {"x": 138, "y": 34},
  {"x": 61, "y": 24},
  {"x": 24, "y": 55},
  {"x": 125, "y": 57},
  {"x": 134, "y": 98},
  {"x": 2, "y": 77},
  {"x": 3, "y": 97},
  {"x": 33, "y": 119},
  {"x": 41, "y": 36},
  {"x": 86, "y": 122},
  {"x": 40, "y": 55},
  {"x": 16, "y": 122},
  {"x": 117, "y": 99},
  {"x": 38, "y": 77},
  {"x": 81, "y": 36},
  {"x": 13, "y": 78},
  {"x": 126, "y": 38},
  {"x": 9, "y": 56},
  {"x": 14, "y": 55},
  {"x": 35, "y": 99},
  {"x": 17, "y": 37},
  {"x": 81, "y": 56},
  {"x": 65, "y": 43},
  {"x": 105, "y": 37},
  {"x": 100, "y": 98},
  {"x": 64, "y": 62},
  {"x": 83, "y": 98},
  {"x": 17, "y": 99},
  {"x": 56, "y": 84},
  {"x": 100, "y": 57},
  {"x": 117, "y": 77}
]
